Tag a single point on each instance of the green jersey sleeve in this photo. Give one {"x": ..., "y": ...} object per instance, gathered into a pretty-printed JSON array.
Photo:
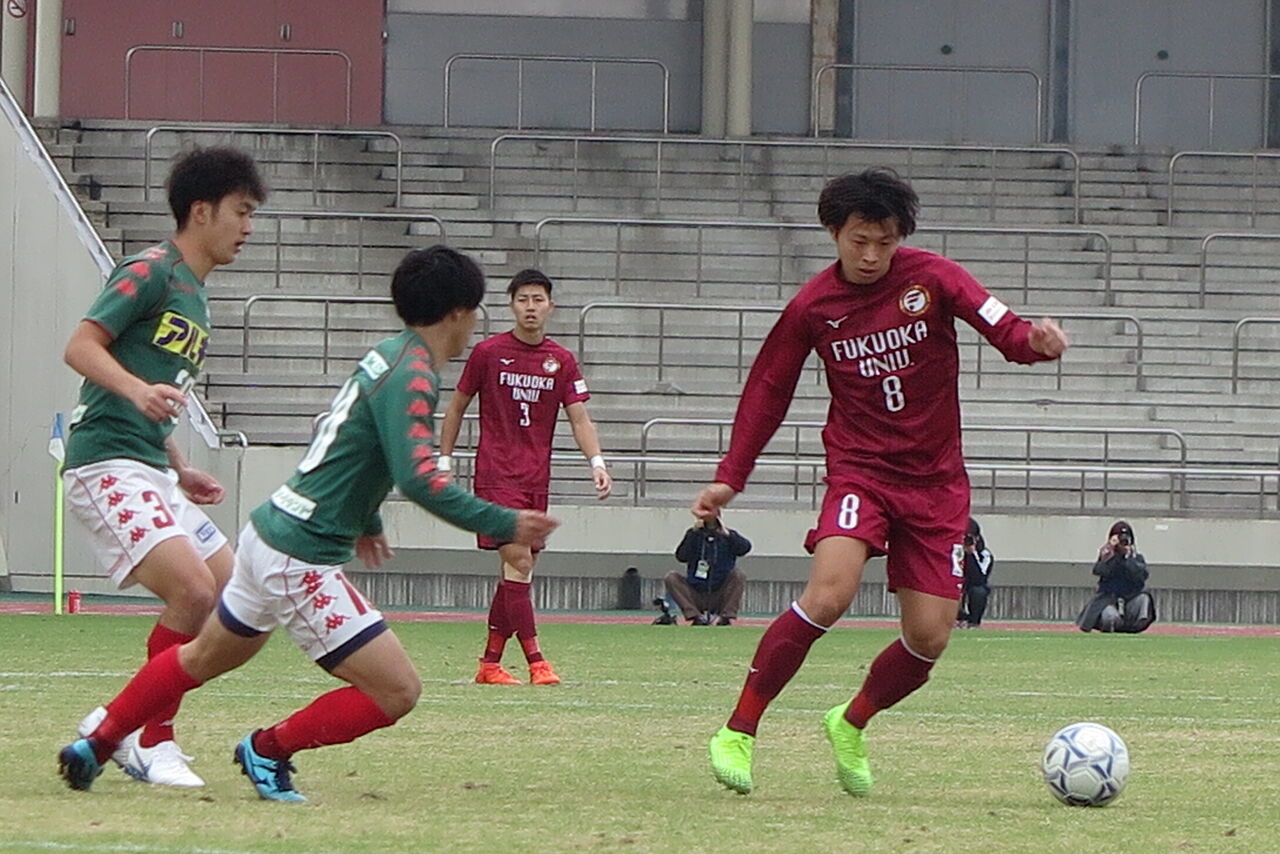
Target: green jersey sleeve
[
  {"x": 401, "y": 405},
  {"x": 373, "y": 527},
  {"x": 134, "y": 291}
]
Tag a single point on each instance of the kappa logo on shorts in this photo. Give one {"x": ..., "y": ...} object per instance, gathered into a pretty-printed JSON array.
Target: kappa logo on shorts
[
  {"x": 957, "y": 560},
  {"x": 206, "y": 532}
]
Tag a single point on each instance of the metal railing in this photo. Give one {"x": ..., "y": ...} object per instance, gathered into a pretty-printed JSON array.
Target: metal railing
[
  {"x": 315, "y": 134},
  {"x": 741, "y": 367},
  {"x": 360, "y": 218},
  {"x": 782, "y": 279},
  {"x": 1235, "y": 344},
  {"x": 1213, "y": 77},
  {"x": 1223, "y": 235},
  {"x": 593, "y": 61},
  {"x": 1037, "y": 80},
  {"x": 326, "y": 329},
  {"x": 826, "y": 146},
  {"x": 1254, "y": 156},
  {"x": 1138, "y": 344},
  {"x": 275, "y": 52}
]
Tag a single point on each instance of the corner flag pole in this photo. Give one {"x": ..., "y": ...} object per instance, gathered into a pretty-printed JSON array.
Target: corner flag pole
[{"x": 58, "y": 451}]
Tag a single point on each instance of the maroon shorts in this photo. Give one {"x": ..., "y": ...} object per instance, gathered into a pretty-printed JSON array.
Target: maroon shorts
[
  {"x": 920, "y": 528},
  {"x": 516, "y": 498}
]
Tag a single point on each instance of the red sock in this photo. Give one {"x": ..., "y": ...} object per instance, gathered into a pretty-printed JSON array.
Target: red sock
[
  {"x": 520, "y": 615},
  {"x": 778, "y": 657},
  {"x": 159, "y": 684},
  {"x": 160, "y": 727},
  {"x": 338, "y": 717},
  {"x": 499, "y": 626},
  {"x": 896, "y": 672}
]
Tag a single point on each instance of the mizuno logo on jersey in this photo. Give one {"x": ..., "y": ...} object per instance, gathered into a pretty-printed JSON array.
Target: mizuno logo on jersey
[
  {"x": 182, "y": 336},
  {"x": 506, "y": 361},
  {"x": 835, "y": 324}
]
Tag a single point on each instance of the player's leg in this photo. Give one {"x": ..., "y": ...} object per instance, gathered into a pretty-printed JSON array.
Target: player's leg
[
  {"x": 833, "y": 581},
  {"x": 517, "y": 573}
]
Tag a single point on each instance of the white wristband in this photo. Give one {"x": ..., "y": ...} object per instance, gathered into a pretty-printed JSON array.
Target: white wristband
[
  {"x": 597, "y": 462},
  {"x": 444, "y": 463}
]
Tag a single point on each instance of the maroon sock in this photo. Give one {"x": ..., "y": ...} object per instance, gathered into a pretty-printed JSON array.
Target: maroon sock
[
  {"x": 532, "y": 652},
  {"x": 159, "y": 684},
  {"x": 338, "y": 717},
  {"x": 896, "y": 672},
  {"x": 160, "y": 727},
  {"x": 778, "y": 657},
  {"x": 520, "y": 615},
  {"x": 499, "y": 626}
]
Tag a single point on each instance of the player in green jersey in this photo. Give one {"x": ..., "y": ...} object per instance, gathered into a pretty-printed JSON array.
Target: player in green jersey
[
  {"x": 140, "y": 348},
  {"x": 377, "y": 433}
]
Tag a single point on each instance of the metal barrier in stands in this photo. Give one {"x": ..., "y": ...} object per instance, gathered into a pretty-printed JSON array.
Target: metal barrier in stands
[
  {"x": 662, "y": 143},
  {"x": 1138, "y": 343},
  {"x": 1235, "y": 345},
  {"x": 315, "y": 135},
  {"x": 1224, "y": 235},
  {"x": 275, "y": 52},
  {"x": 593, "y": 61},
  {"x": 1036, "y": 79},
  {"x": 783, "y": 279},
  {"x": 1213, "y": 77},
  {"x": 328, "y": 302},
  {"x": 359, "y": 217},
  {"x": 1254, "y": 157}
]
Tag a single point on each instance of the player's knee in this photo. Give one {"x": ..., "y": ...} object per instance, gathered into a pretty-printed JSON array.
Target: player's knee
[
  {"x": 928, "y": 644},
  {"x": 193, "y": 603},
  {"x": 400, "y": 698}
]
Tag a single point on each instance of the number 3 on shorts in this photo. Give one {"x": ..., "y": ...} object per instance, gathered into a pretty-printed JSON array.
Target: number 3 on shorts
[{"x": 848, "y": 518}]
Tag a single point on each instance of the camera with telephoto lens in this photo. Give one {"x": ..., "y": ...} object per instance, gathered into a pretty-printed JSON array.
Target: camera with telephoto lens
[
  {"x": 1124, "y": 538},
  {"x": 712, "y": 524},
  {"x": 969, "y": 540}
]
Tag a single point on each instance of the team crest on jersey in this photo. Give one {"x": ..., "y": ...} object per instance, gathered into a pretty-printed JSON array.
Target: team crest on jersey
[
  {"x": 550, "y": 364},
  {"x": 181, "y": 336},
  {"x": 915, "y": 301}
]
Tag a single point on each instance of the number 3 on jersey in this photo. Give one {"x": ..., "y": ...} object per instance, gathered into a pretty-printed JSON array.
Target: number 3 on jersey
[
  {"x": 525, "y": 419},
  {"x": 894, "y": 399}
]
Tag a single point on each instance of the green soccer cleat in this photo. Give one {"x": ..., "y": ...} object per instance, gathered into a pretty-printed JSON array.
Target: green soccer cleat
[
  {"x": 852, "y": 768},
  {"x": 730, "y": 752}
]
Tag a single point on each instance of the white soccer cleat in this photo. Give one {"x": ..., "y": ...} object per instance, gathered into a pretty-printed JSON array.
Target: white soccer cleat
[
  {"x": 162, "y": 765},
  {"x": 123, "y": 751}
]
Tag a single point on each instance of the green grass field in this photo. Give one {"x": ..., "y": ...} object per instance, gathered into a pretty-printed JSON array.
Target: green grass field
[{"x": 614, "y": 759}]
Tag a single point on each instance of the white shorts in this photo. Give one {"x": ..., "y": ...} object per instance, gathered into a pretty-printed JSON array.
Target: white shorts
[
  {"x": 129, "y": 508},
  {"x": 324, "y": 613}
]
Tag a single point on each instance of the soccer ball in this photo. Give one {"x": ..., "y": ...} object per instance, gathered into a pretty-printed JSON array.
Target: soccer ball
[{"x": 1085, "y": 765}]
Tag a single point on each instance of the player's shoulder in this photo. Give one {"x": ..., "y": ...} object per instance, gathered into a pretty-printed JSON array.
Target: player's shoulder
[
  {"x": 913, "y": 261},
  {"x": 492, "y": 344},
  {"x": 555, "y": 348},
  {"x": 404, "y": 353},
  {"x": 155, "y": 263}
]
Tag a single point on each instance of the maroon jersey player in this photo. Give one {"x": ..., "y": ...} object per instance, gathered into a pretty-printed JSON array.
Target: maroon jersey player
[
  {"x": 523, "y": 379},
  {"x": 882, "y": 320}
]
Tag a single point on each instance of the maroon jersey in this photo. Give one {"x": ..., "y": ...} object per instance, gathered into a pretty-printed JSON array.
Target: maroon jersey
[
  {"x": 521, "y": 387},
  {"x": 890, "y": 356}
]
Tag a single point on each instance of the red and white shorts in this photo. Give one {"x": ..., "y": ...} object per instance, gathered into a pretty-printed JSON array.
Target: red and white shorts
[
  {"x": 128, "y": 508},
  {"x": 515, "y": 498},
  {"x": 920, "y": 528},
  {"x": 319, "y": 607}
]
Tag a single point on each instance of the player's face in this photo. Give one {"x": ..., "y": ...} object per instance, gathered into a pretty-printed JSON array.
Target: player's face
[
  {"x": 531, "y": 306},
  {"x": 866, "y": 248},
  {"x": 226, "y": 226}
]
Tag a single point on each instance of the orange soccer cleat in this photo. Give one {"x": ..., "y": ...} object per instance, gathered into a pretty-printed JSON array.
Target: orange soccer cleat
[
  {"x": 540, "y": 673},
  {"x": 493, "y": 673}
]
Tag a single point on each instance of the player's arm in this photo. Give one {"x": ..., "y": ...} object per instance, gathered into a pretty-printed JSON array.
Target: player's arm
[
  {"x": 588, "y": 439},
  {"x": 200, "y": 486},
  {"x": 1018, "y": 340},
  {"x": 764, "y": 403},
  {"x": 451, "y": 426},
  {"x": 88, "y": 354}
]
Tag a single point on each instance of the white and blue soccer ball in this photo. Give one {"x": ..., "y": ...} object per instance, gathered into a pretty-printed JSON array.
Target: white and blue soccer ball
[{"x": 1085, "y": 765}]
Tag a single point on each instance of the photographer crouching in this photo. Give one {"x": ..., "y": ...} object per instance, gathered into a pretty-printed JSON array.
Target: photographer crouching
[
  {"x": 1122, "y": 603},
  {"x": 711, "y": 588}
]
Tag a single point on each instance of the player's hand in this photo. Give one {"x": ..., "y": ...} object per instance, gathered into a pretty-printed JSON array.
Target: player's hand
[
  {"x": 533, "y": 527},
  {"x": 603, "y": 481},
  {"x": 201, "y": 487},
  {"x": 1047, "y": 338},
  {"x": 373, "y": 549},
  {"x": 709, "y": 501},
  {"x": 159, "y": 401}
]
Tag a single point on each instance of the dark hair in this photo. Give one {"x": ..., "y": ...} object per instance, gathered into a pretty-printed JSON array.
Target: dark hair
[
  {"x": 430, "y": 283},
  {"x": 1119, "y": 528},
  {"x": 874, "y": 195},
  {"x": 210, "y": 175},
  {"x": 528, "y": 276}
]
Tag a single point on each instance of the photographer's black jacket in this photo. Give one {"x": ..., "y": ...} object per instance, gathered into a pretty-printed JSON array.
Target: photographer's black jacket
[
  {"x": 977, "y": 567},
  {"x": 720, "y": 550},
  {"x": 1121, "y": 576}
]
